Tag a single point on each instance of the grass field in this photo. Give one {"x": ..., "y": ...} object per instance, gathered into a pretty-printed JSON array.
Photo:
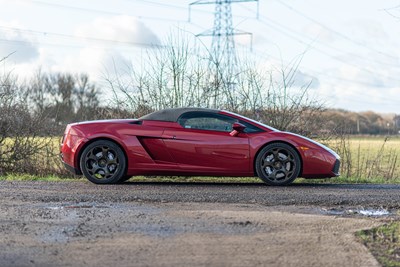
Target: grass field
[{"x": 369, "y": 159}]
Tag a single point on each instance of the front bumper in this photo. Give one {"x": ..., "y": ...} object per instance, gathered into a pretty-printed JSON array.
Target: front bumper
[{"x": 336, "y": 168}]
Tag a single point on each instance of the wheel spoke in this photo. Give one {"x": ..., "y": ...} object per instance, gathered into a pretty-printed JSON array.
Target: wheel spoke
[
  {"x": 266, "y": 163},
  {"x": 112, "y": 161},
  {"x": 104, "y": 150},
  {"x": 276, "y": 154},
  {"x": 91, "y": 156},
  {"x": 92, "y": 167},
  {"x": 107, "y": 173},
  {"x": 273, "y": 175}
]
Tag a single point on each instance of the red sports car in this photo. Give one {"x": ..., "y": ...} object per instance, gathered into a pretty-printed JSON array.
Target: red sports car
[{"x": 192, "y": 142}]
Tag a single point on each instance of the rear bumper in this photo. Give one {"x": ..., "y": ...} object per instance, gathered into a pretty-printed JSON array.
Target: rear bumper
[{"x": 72, "y": 169}]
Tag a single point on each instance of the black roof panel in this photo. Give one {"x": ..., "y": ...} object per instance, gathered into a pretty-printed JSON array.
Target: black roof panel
[{"x": 172, "y": 114}]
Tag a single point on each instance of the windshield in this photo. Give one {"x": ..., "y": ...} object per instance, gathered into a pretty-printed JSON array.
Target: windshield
[{"x": 253, "y": 121}]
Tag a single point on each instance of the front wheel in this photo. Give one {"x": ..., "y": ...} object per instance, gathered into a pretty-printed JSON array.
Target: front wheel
[
  {"x": 278, "y": 164},
  {"x": 103, "y": 162}
]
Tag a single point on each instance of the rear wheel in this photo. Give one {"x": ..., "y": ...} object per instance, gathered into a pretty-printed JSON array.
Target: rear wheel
[
  {"x": 278, "y": 164},
  {"x": 103, "y": 162}
]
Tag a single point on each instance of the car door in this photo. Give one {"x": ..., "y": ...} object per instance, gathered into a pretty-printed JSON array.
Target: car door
[{"x": 203, "y": 144}]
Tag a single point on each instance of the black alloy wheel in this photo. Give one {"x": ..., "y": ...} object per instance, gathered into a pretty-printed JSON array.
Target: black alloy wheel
[
  {"x": 278, "y": 164},
  {"x": 103, "y": 162}
]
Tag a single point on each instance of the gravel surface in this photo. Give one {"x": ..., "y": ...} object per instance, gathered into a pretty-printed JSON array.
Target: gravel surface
[
  {"x": 169, "y": 224},
  {"x": 387, "y": 196}
]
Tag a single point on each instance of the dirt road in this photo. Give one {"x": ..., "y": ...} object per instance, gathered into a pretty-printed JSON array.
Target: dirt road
[{"x": 76, "y": 224}]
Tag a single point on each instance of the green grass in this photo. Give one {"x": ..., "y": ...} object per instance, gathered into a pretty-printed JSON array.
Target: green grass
[
  {"x": 195, "y": 179},
  {"x": 178, "y": 179},
  {"x": 29, "y": 177},
  {"x": 349, "y": 180},
  {"x": 384, "y": 243}
]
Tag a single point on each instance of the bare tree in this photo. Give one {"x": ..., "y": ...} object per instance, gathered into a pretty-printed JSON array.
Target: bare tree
[
  {"x": 63, "y": 97},
  {"x": 86, "y": 95},
  {"x": 22, "y": 149},
  {"x": 178, "y": 75}
]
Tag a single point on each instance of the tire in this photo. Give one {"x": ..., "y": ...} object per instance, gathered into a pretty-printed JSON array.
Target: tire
[
  {"x": 278, "y": 164},
  {"x": 103, "y": 162}
]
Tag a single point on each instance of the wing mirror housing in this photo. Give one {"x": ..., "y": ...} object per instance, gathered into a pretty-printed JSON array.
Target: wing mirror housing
[{"x": 237, "y": 129}]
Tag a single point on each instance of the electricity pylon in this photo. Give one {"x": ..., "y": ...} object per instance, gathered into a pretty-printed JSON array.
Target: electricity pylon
[{"x": 223, "y": 63}]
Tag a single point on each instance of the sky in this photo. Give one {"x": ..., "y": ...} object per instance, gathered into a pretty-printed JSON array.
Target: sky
[{"x": 349, "y": 49}]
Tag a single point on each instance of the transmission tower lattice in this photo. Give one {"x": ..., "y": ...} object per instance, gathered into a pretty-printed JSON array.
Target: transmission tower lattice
[{"x": 223, "y": 60}]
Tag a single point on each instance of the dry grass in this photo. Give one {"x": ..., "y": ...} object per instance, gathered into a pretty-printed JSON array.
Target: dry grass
[
  {"x": 364, "y": 160},
  {"x": 31, "y": 155},
  {"x": 369, "y": 158}
]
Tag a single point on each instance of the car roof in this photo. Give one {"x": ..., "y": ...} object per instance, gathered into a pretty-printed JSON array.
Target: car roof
[{"x": 173, "y": 114}]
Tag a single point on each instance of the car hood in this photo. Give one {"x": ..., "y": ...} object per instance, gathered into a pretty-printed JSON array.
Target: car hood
[{"x": 315, "y": 143}]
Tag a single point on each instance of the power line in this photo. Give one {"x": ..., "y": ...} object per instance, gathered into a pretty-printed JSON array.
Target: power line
[
  {"x": 312, "y": 73},
  {"x": 81, "y": 37},
  {"x": 318, "y": 49},
  {"x": 156, "y": 3},
  {"x": 223, "y": 55},
  {"x": 160, "y": 4},
  {"x": 99, "y": 11},
  {"x": 343, "y": 36},
  {"x": 323, "y": 44},
  {"x": 128, "y": 43},
  {"x": 290, "y": 30},
  {"x": 285, "y": 32}
]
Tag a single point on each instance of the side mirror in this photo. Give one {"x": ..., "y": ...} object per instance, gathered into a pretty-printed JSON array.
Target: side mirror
[{"x": 237, "y": 128}]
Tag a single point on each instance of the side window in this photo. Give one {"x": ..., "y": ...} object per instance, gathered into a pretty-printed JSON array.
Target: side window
[
  {"x": 250, "y": 128},
  {"x": 206, "y": 121}
]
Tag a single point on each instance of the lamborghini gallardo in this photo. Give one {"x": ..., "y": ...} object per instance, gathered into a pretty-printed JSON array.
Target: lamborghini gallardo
[{"x": 192, "y": 142}]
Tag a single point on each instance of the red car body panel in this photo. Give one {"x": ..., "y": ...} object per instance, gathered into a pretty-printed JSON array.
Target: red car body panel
[{"x": 166, "y": 148}]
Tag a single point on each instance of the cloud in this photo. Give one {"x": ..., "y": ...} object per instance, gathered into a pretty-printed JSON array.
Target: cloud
[
  {"x": 120, "y": 29},
  {"x": 97, "y": 58},
  {"x": 350, "y": 88},
  {"x": 16, "y": 43},
  {"x": 92, "y": 61}
]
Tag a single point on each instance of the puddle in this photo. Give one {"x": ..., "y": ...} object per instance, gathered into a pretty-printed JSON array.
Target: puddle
[
  {"x": 364, "y": 212},
  {"x": 380, "y": 212},
  {"x": 77, "y": 206}
]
